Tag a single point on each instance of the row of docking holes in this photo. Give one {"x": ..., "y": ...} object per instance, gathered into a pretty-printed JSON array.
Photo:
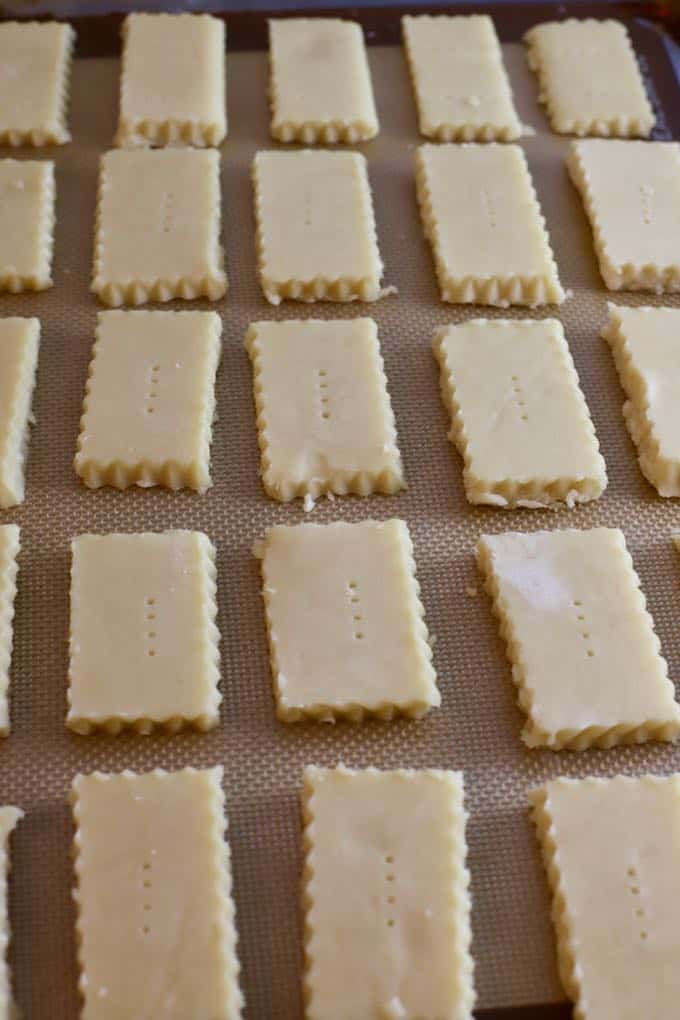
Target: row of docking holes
[
  {"x": 323, "y": 393},
  {"x": 355, "y": 609},
  {"x": 152, "y": 392},
  {"x": 581, "y": 618},
  {"x": 520, "y": 396},
  {"x": 146, "y": 897},
  {"x": 634, "y": 890},
  {"x": 391, "y": 898},
  {"x": 149, "y": 617}
]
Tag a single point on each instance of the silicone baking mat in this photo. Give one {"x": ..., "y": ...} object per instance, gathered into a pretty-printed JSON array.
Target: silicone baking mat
[{"x": 477, "y": 728}]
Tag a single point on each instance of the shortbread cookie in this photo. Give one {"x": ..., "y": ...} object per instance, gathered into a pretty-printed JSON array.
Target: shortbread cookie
[
  {"x": 324, "y": 416},
  {"x": 9, "y": 816},
  {"x": 27, "y": 198},
  {"x": 9, "y": 550},
  {"x": 481, "y": 216},
  {"x": 461, "y": 87},
  {"x": 582, "y": 645},
  {"x": 155, "y": 923},
  {"x": 386, "y": 878},
  {"x": 144, "y": 647},
  {"x": 316, "y": 237},
  {"x": 635, "y": 216},
  {"x": 320, "y": 85},
  {"x": 645, "y": 343},
  {"x": 35, "y": 67},
  {"x": 150, "y": 400},
  {"x": 158, "y": 227},
  {"x": 589, "y": 78},
  {"x": 518, "y": 417},
  {"x": 173, "y": 81},
  {"x": 611, "y": 851},
  {"x": 346, "y": 631},
  {"x": 19, "y": 341}
]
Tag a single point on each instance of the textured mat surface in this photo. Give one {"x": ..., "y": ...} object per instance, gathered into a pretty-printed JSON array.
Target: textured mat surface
[{"x": 478, "y": 726}]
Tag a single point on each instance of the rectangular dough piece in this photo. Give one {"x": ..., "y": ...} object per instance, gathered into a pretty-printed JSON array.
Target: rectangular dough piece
[
  {"x": 461, "y": 88},
  {"x": 481, "y": 216},
  {"x": 518, "y": 417},
  {"x": 324, "y": 416},
  {"x": 645, "y": 343},
  {"x": 320, "y": 84},
  {"x": 346, "y": 628},
  {"x": 589, "y": 78},
  {"x": 27, "y": 199},
  {"x": 386, "y": 879},
  {"x": 611, "y": 849},
  {"x": 10, "y": 544},
  {"x": 635, "y": 216},
  {"x": 173, "y": 81},
  {"x": 583, "y": 649},
  {"x": 156, "y": 926},
  {"x": 150, "y": 400},
  {"x": 9, "y": 816},
  {"x": 316, "y": 238},
  {"x": 144, "y": 645},
  {"x": 158, "y": 227},
  {"x": 19, "y": 342},
  {"x": 35, "y": 68}
]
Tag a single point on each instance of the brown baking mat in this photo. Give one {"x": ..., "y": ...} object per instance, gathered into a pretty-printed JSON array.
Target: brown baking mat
[{"x": 477, "y": 728}]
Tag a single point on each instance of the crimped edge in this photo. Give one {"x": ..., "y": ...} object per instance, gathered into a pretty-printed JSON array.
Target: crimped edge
[
  {"x": 502, "y": 292},
  {"x": 84, "y": 725},
  {"x": 222, "y": 879},
  {"x": 114, "y": 293},
  {"x": 626, "y": 276},
  {"x": 40, "y": 279},
  {"x": 509, "y": 493},
  {"x": 460, "y": 900},
  {"x": 331, "y": 131},
  {"x": 173, "y": 133},
  {"x": 171, "y": 474},
  {"x": 468, "y": 131},
  {"x": 319, "y": 288},
  {"x": 416, "y": 708},
  {"x": 567, "y": 739},
  {"x": 55, "y": 132},
  {"x": 9, "y": 817},
  {"x": 14, "y": 441},
  {"x": 9, "y": 551},
  {"x": 340, "y": 483},
  {"x": 619, "y": 125},
  {"x": 662, "y": 472}
]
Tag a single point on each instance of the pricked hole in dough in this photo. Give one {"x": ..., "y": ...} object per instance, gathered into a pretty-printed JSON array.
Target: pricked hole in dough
[
  {"x": 351, "y": 584},
  {"x": 151, "y": 651},
  {"x": 644, "y": 936},
  {"x": 639, "y": 912},
  {"x": 389, "y": 860},
  {"x": 146, "y": 884},
  {"x": 390, "y": 877},
  {"x": 586, "y": 634},
  {"x": 149, "y": 410},
  {"x": 391, "y": 899},
  {"x": 151, "y": 616},
  {"x": 358, "y": 617},
  {"x": 151, "y": 634},
  {"x": 155, "y": 368},
  {"x": 146, "y": 930},
  {"x": 150, "y": 602},
  {"x": 591, "y": 653},
  {"x": 577, "y": 602},
  {"x": 390, "y": 922},
  {"x": 632, "y": 873},
  {"x": 358, "y": 635},
  {"x": 146, "y": 866}
]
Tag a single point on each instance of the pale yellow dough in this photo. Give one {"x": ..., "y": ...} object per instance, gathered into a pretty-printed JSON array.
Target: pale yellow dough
[
  {"x": 10, "y": 545},
  {"x": 35, "y": 66},
  {"x": 645, "y": 343},
  {"x": 150, "y": 400},
  {"x": 611, "y": 849},
  {"x": 461, "y": 87},
  {"x": 518, "y": 416},
  {"x": 589, "y": 78},
  {"x": 325, "y": 421},
  {"x": 19, "y": 342},
  {"x": 27, "y": 199},
  {"x": 155, "y": 925},
  {"x": 386, "y": 880},
  {"x": 320, "y": 85},
  {"x": 481, "y": 216},
  {"x": 582, "y": 645},
  {"x": 634, "y": 215},
  {"x": 144, "y": 647},
  {"x": 316, "y": 238},
  {"x": 158, "y": 227},
  {"x": 9, "y": 816},
  {"x": 347, "y": 637},
  {"x": 173, "y": 81}
]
